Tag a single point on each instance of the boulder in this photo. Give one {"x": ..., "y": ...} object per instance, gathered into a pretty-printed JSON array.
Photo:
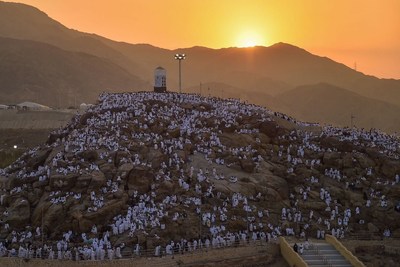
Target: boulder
[
  {"x": 126, "y": 167},
  {"x": 231, "y": 128},
  {"x": 63, "y": 182},
  {"x": 364, "y": 161},
  {"x": 7, "y": 182},
  {"x": 89, "y": 155},
  {"x": 348, "y": 161},
  {"x": 334, "y": 143},
  {"x": 84, "y": 117},
  {"x": 372, "y": 153},
  {"x": 157, "y": 128},
  {"x": 108, "y": 169},
  {"x": 156, "y": 157},
  {"x": 34, "y": 196},
  {"x": 189, "y": 149},
  {"x": 19, "y": 213},
  {"x": 82, "y": 182},
  {"x": 53, "y": 137},
  {"x": 102, "y": 215},
  {"x": 236, "y": 140},
  {"x": 124, "y": 170},
  {"x": 53, "y": 153},
  {"x": 271, "y": 194},
  {"x": 174, "y": 133},
  {"x": 332, "y": 159},
  {"x": 119, "y": 155},
  {"x": 247, "y": 165},
  {"x": 140, "y": 178},
  {"x": 98, "y": 180},
  {"x": 278, "y": 184},
  {"x": 390, "y": 168},
  {"x": 53, "y": 217},
  {"x": 270, "y": 129},
  {"x": 264, "y": 139},
  {"x": 39, "y": 159}
]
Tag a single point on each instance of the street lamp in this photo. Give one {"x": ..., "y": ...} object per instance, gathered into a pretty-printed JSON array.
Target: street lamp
[{"x": 180, "y": 57}]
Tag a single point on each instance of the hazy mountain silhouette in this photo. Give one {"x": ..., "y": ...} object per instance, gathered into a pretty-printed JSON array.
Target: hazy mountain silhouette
[
  {"x": 326, "y": 103},
  {"x": 20, "y": 21},
  {"x": 49, "y": 75},
  {"x": 262, "y": 75}
]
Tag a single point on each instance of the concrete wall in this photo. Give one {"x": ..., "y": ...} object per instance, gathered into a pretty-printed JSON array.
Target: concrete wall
[
  {"x": 291, "y": 257},
  {"x": 344, "y": 251}
]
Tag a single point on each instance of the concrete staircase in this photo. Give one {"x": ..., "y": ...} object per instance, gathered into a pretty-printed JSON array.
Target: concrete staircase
[{"x": 324, "y": 254}]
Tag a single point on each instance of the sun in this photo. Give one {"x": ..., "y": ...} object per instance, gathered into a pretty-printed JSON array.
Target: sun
[
  {"x": 248, "y": 43},
  {"x": 249, "y": 39}
]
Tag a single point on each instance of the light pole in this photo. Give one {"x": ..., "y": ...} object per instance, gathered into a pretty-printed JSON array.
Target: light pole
[{"x": 180, "y": 57}]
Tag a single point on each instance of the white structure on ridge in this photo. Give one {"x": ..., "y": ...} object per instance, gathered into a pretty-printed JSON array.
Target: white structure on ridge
[{"x": 160, "y": 80}]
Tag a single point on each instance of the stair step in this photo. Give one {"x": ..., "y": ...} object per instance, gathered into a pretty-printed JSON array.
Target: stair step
[
  {"x": 315, "y": 262},
  {"x": 322, "y": 254}
]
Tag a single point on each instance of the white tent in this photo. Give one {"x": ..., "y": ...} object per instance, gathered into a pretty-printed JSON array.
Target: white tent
[
  {"x": 3, "y": 106},
  {"x": 32, "y": 106},
  {"x": 83, "y": 106}
]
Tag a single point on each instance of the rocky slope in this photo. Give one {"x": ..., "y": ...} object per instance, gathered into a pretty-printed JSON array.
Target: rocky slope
[{"x": 146, "y": 168}]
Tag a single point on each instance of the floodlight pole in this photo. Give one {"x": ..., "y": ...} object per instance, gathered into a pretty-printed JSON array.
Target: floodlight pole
[
  {"x": 180, "y": 57},
  {"x": 180, "y": 77}
]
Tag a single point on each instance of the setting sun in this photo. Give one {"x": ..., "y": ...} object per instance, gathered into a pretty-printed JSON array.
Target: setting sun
[{"x": 249, "y": 39}]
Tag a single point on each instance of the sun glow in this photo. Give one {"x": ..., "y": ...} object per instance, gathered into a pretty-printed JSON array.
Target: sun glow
[{"x": 249, "y": 39}]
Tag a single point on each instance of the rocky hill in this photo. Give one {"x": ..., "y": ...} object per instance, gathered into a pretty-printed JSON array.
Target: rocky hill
[{"x": 150, "y": 169}]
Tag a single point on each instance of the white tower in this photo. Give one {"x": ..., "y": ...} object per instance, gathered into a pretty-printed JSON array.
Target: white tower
[{"x": 160, "y": 80}]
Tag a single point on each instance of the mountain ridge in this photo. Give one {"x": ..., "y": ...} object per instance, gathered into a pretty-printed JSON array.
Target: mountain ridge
[
  {"x": 329, "y": 99},
  {"x": 34, "y": 67}
]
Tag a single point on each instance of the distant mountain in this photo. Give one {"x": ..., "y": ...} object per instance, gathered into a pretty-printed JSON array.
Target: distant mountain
[
  {"x": 20, "y": 21},
  {"x": 256, "y": 74},
  {"x": 329, "y": 104},
  {"x": 272, "y": 70},
  {"x": 49, "y": 75}
]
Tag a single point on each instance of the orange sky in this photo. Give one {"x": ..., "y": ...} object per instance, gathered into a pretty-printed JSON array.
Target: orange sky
[{"x": 348, "y": 31}]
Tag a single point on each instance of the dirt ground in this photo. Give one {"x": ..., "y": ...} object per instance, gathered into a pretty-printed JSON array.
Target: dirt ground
[
  {"x": 249, "y": 256},
  {"x": 23, "y": 139},
  {"x": 375, "y": 253},
  {"x": 22, "y": 130}
]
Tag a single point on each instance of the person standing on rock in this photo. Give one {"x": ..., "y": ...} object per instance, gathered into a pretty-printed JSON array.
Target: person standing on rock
[{"x": 295, "y": 247}]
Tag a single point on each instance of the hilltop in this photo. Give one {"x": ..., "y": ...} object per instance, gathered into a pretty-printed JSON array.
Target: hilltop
[{"x": 148, "y": 170}]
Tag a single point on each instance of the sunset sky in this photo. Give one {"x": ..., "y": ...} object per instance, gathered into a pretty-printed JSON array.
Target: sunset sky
[{"x": 363, "y": 31}]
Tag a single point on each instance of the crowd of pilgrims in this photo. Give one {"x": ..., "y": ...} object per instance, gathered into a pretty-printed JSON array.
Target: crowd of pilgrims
[{"x": 107, "y": 131}]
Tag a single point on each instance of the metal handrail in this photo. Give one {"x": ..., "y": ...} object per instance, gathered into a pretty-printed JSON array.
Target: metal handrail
[{"x": 148, "y": 253}]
